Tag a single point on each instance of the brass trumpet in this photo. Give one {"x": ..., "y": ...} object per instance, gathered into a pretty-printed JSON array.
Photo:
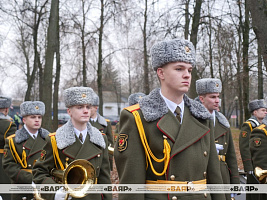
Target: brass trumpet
[
  {"x": 79, "y": 172},
  {"x": 261, "y": 174}
]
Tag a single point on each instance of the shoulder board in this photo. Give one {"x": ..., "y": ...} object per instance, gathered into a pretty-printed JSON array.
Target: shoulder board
[
  {"x": 107, "y": 120},
  {"x": 11, "y": 136},
  {"x": 133, "y": 108},
  {"x": 52, "y": 134},
  {"x": 262, "y": 127}
]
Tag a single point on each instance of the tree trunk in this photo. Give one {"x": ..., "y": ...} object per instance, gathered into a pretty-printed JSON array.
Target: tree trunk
[
  {"x": 245, "y": 77},
  {"x": 258, "y": 10},
  {"x": 49, "y": 60},
  {"x": 260, "y": 74},
  {"x": 187, "y": 20},
  {"x": 193, "y": 38},
  {"x": 99, "y": 64},
  {"x": 58, "y": 68},
  {"x": 146, "y": 75},
  {"x": 84, "y": 48}
]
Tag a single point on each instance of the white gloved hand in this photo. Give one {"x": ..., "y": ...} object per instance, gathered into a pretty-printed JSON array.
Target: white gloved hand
[
  {"x": 61, "y": 194},
  {"x": 1, "y": 198},
  {"x": 233, "y": 195},
  {"x": 219, "y": 147}
]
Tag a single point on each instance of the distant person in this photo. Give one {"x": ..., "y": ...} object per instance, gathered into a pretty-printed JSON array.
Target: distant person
[
  {"x": 23, "y": 148},
  {"x": 208, "y": 90},
  {"x": 17, "y": 120},
  {"x": 7, "y": 128},
  {"x": 104, "y": 126},
  {"x": 258, "y": 111}
]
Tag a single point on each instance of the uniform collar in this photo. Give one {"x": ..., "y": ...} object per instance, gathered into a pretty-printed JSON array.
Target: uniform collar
[
  {"x": 31, "y": 134},
  {"x": 154, "y": 107},
  {"x": 65, "y": 135},
  {"x": 172, "y": 106}
]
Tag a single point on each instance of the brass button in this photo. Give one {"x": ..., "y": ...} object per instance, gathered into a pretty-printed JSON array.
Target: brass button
[
  {"x": 97, "y": 167},
  {"x": 98, "y": 155},
  {"x": 164, "y": 136},
  {"x": 204, "y": 174},
  {"x": 29, "y": 165},
  {"x": 174, "y": 198},
  {"x": 205, "y": 153},
  {"x": 205, "y": 195},
  {"x": 225, "y": 143},
  {"x": 172, "y": 177},
  {"x": 225, "y": 153}
]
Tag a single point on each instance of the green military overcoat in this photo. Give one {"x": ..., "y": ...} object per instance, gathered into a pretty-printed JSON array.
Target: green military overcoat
[
  {"x": 258, "y": 148},
  {"x": 7, "y": 128},
  {"x": 33, "y": 147},
  {"x": 244, "y": 137},
  {"x": 223, "y": 136},
  {"x": 94, "y": 149},
  {"x": 193, "y": 154},
  {"x": 104, "y": 126}
]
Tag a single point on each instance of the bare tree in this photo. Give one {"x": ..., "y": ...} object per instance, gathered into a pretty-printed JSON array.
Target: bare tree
[
  {"x": 52, "y": 45},
  {"x": 258, "y": 10}
]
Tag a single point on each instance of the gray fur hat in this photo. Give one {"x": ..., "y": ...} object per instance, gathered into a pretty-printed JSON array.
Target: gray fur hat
[
  {"x": 135, "y": 98},
  {"x": 32, "y": 108},
  {"x": 208, "y": 85},
  {"x": 78, "y": 96},
  {"x": 256, "y": 104},
  {"x": 177, "y": 50},
  {"x": 96, "y": 100},
  {"x": 5, "y": 102}
]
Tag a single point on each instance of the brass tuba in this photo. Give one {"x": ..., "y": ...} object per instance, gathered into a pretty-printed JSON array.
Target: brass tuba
[
  {"x": 79, "y": 172},
  {"x": 261, "y": 174}
]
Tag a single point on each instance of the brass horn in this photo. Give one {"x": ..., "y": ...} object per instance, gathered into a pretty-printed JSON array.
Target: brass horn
[
  {"x": 261, "y": 174},
  {"x": 79, "y": 172}
]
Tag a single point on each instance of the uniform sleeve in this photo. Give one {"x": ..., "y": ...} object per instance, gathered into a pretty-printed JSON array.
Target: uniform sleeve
[
  {"x": 12, "y": 129},
  {"x": 258, "y": 144},
  {"x": 104, "y": 175},
  {"x": 129, "y": 155},
  {"x": 13, "y": 169},
  {"x": 244, "y": 147},
  {"x": 110, "y": 135},
  {"x": 231, "y": 160},
  {"x": 213, "y": 171},
  {"x": 43, "y": 166}
]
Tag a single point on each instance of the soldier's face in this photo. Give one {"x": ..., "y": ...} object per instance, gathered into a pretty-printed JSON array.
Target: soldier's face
[
  {"x": 80, "y": 113},
  {"x": 33, "y": 122},
  {"x": 175, "y": 77},
  {"x": 210, "y": 101},
  {"x": 260, "y": 113}
]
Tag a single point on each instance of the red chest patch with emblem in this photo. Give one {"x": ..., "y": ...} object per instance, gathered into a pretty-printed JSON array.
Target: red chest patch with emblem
[{"x": 122, "y": 142}]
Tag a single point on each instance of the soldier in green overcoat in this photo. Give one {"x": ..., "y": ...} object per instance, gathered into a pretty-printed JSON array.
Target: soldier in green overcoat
[
  {"x": 258, "y": 110},
  {"x": 258, "y": 148},
  {"x": 23, "y": 148},
  {"x": 209, "y": 90},
  {"x": 104, "y": 126},
  {"x": 75, "y": 140},
  {"x": 7, "y": 128},
  {"x": 174, "y": 128}
]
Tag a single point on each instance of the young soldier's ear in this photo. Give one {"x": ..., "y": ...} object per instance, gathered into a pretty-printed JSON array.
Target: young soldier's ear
[
  {"x": 201, "y": 98},
  {"x": 160, "y": 73}
]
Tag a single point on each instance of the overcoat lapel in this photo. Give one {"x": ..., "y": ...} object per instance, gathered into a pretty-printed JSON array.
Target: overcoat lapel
[
  {"x": 219, "y": 129},
  {"x": 86, "y": 151},
  {"x": 166, "y": 125},
  {"x": 35, "y": 145},
  {"x": 190, "y": 132}
]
